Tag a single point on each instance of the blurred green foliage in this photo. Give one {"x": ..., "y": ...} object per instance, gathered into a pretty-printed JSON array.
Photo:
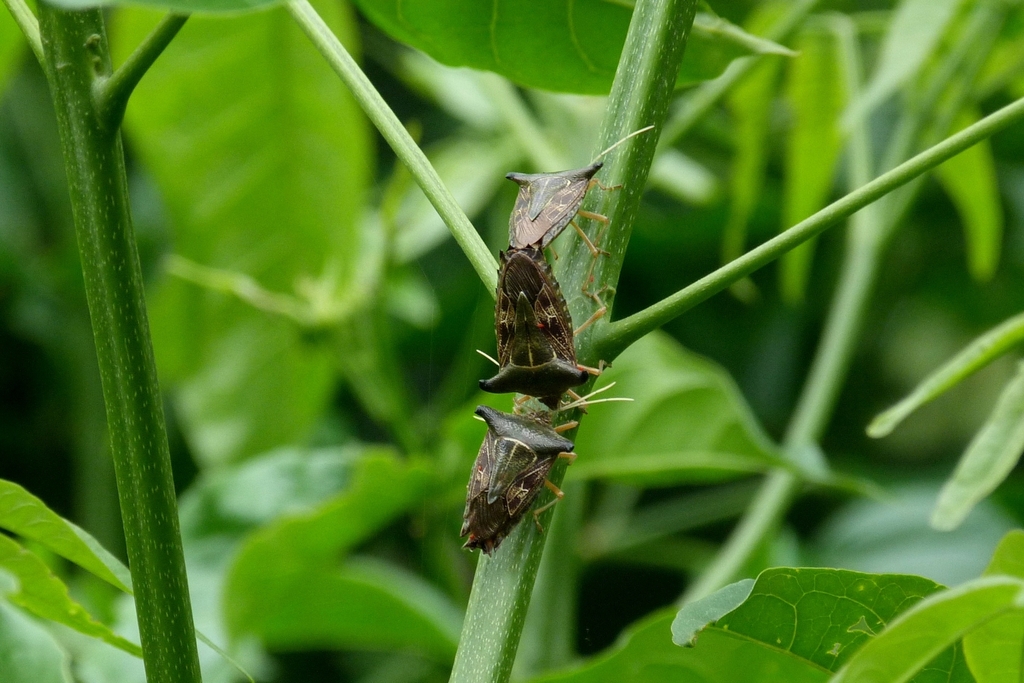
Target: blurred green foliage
[{"x": 315, "y": 331}]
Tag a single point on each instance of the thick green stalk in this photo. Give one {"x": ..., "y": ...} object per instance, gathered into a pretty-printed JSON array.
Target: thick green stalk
[
  {"x": 640, "y": 95},
  {"x": 398, "y": 137},
  {"x": 617, "y": 336},
  {"x": 75, "y": 48}
]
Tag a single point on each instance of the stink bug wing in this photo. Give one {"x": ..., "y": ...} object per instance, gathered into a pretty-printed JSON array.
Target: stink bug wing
[
  {"x": 512, "y": 457},
  {"x": 526, "y": 487},
  {"x": 483, "y": 467},
  {"x": 553, "y": 313},
  {"x": 546, "y": 203}
]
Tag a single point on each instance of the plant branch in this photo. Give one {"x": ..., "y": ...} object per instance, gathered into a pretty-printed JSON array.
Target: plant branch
[
  {"x": 29, "y": 26},
  {"x": 401, "y": 142},
  {"x": 112, "y": 93},
  {"x": 869, "y": 233},
  {"x": 617, "y": 336},
  {"x": 76, "y": 55},
  {"x": 643, "y": 85}
]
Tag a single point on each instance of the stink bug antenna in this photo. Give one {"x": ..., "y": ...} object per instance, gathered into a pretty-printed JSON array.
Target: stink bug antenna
[
  {"x": 631, "y": 135},
  {"x": 588, "y": 400},
  {"x": 488, "y": 357}
]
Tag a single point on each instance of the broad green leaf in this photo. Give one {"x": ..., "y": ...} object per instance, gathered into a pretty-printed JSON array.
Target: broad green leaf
[
  {"x": 645, "y": 654},
  {"x": 975, "y": 356},
  {"x": 562, "y": 46},
  {"x": 816, "y": 97},
  {"x": 27, "y": 516},
  {"x": 892, "y": 536},
  {"x": 970, "y": 180},
  {"x": 262, "y": 159},
  {"x": 45, "y": 595},
  {"x": 28, "y": 653},
  {"x": 293, "y": 586},
  {"x": 912, "y": 36},
  {"x": 821, "y": 616},
  {"x": 12, "y": 46},
  {"x": 993, "y": 649},
  {"x": 750, "y": 103},
  {"x": 917, "y": 636},
  {"x": 989, "y": 458},
  {"x": 688, "y": 422}
]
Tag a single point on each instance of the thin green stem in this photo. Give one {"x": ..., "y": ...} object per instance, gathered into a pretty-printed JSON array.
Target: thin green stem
[
  {"x": 401, "y": 142},
  {"x": 643, "y": 85},
  {"x": 76, "y": 53},
  {"x": 870, "y": 231},
  {"x": 617, "y": 336},
  {"x": 700, "y": 101},
  {"x": 112, "y": 93},
  {"x": 29, "y": 26}
]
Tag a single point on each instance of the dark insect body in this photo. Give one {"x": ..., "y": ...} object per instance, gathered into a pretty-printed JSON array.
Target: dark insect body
[
  {"x": 547, "y": 202},
  {"x": 510, "y": 470},
  {"x": 536, "y": 353}
]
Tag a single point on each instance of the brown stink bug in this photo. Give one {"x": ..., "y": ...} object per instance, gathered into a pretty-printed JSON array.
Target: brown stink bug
[
  {"x": 510, "y": 471},
  {"x": 547, "y": 202},
  {"x": 536, "y": 354}
]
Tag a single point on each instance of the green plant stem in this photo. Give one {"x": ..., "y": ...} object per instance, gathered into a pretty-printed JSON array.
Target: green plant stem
[
  {"x": 29, "y": 26},
  {"x": 870, "y": 231},
  {"x": 112, "y": 93},
  {"x": 699, "y": 102},
  {"x": 549, "y": 636},
  {"x": 76, "y": 54},
  {"x": 617, "y": 336},
  {"x": 401, "y": 142},
  {"x": 643, "y": 85}
]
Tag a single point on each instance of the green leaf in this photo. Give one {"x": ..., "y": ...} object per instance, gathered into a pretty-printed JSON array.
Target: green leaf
[
  {"x": 816, "y": 97},
  {"x": 975, "y": 356},
  {"x": 28, "y": 653},
  {"x": 27, "y": 516},
  {"x": 993, "y": 649},
  {"x": 292, "y": 586},
  {"x": 562, "y": 46},
  {"x": 45, "y": 595},
  {"x": 821, "y": 616},
  {"x": 12, "y": 46},
  {"x": 914, "y": 639},
  {"x": 687, "y": 423},
  {"x": 970, "y": 180},
  {"x": 911, "y": 38},
  {"x": 262, "y": 159},
  {"x": 989, "y": 458},
  {"x": 645, "y": 654},
  {"x": 696, "y": 616}
]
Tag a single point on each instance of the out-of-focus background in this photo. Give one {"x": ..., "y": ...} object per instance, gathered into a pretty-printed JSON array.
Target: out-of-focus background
[{"x": 315, "y": 325}]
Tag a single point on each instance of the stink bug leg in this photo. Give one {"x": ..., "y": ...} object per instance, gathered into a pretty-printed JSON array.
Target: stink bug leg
[
  {"x": 567, "y": 426},
  {"x": 559, "y": 495},
  {"x": 594, "y": 251},
  {"x": 590, "y": 321}
]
